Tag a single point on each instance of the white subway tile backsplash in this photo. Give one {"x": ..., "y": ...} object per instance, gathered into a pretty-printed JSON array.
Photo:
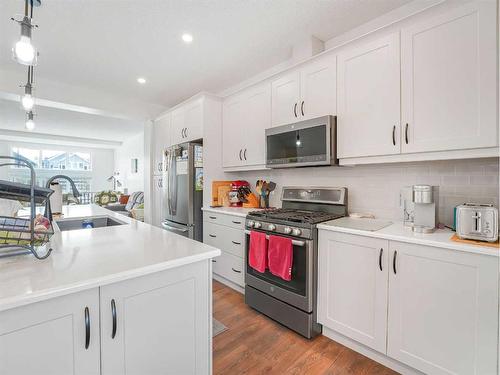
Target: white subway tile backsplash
[{"x": 375, "y": 188}]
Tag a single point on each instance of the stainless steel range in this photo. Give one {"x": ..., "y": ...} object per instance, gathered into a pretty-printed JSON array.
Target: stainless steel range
[{"x": 293, "y": 303}]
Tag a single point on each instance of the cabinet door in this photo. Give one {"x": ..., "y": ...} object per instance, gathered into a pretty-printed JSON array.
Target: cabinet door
[
  {"x": 49, "y": 337},
  {"x": 161, "y": 140},
  {"x": 178, "y": 126},
  {"x": 158, "y": 199},
  {"x": 258, "y": 119},
  {"x": 285, "y": 99},
  {"x": 443, "y": 310},
  {"x": 369, "y": 99},
  {"x": 233, "y": 125},
  {"x": 449, "y": 80},
  {"x": 163, "y": 323},
  {"x": 352, "y": 287},
  {"x": 318, "y": 90},
  {"x": 193, "y": 120}
]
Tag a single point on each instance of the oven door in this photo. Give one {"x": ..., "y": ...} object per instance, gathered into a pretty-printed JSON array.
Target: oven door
[
  {"x": 305, "y": 143},
  {"x": 298, "y": 291}
]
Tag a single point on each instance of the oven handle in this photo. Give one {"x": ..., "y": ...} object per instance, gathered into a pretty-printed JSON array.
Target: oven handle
[{"x": 294, "y": 242}]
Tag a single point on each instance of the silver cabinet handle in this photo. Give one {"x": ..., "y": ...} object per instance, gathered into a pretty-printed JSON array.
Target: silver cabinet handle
[
  {"x": 113, "y": 316},
  {"x": 245, "y": 154},
  {"x": 235, "y": 270},
  {"x": 236, "y": 243},
  {"x": 302, "y": 108},
  {"x": 406, "y": 133},
  {"x": 87, "y": 328},
  {"x": 394, "y": 135},
  {"x": 240, "y": 154},
  {"x": 212, "y": 235},
  {"x": 394, "y": 262},
  {"x": 380, "y": 258},
  {"x": 213, "y": 217},
  {"x": 236, "y": 222}
]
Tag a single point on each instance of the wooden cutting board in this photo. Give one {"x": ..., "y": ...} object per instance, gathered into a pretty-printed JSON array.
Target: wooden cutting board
[
  {"x": 455, "y": 238},
  {"x": 216, "y": 199}
]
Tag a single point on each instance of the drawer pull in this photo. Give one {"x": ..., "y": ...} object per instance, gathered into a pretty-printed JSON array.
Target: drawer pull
[
  {"x": 235, "y": 270},
  {"x": 113, "y": 316},
  {"x": 236, "y": 222},
  {"x": 87, "y": 328},
  {"x": 212, "y": 235},
  {"x": 236, "y": 243},
  {"x": 380, "y": 258},
  {"x": 214, "y": 261},
  {"x": 213, "y": 217}
]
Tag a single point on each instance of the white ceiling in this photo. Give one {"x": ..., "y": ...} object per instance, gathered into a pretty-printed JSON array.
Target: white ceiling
[
  {"x": 65, "y": 123},
  {"x": 106, "y": 44}
]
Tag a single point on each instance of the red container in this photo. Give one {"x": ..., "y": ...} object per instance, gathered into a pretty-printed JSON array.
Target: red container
[{"x": 234, "y": 201}]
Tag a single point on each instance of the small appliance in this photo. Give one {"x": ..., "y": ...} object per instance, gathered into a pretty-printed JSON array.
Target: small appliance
[
  {"x": 302, "y": 144},
  {"x": 420, "y": 207},
  {"x": 235, "y": 192},
  {"x": 293, "y": 303},
  {"x": 477, "y": 222}
]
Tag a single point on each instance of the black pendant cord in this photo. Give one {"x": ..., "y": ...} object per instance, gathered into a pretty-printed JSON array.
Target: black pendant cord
[
  {"x": 26, "y": 8},
  {"x": 31, "y": 13}
]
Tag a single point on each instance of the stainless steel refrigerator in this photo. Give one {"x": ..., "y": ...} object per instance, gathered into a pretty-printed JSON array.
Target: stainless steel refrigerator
[{"x": 184, "y": 190}]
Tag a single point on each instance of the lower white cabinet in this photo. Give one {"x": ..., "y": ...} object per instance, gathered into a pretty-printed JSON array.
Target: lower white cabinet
[
  {"x": 352, "y": 295},
  {"x": 155, "y": 324},
  {"x": 59, "y": 336},
  {"x": 443, "y": 310},
  {"x": 163, "y": 323},
  {"x": 432, "y": 309}
]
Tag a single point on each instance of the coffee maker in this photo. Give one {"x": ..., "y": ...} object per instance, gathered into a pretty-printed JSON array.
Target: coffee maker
[{"x": 420, "y": 205}]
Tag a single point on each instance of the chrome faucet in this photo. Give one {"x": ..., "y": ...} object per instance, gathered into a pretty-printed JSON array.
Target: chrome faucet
[{"x": 76, "y": 193}]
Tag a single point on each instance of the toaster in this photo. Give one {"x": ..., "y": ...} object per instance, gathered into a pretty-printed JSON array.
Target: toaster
[{"x": 477, "y": 222}]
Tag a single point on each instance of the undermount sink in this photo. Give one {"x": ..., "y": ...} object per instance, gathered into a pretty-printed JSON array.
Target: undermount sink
[{"x": 97, "y": 221}]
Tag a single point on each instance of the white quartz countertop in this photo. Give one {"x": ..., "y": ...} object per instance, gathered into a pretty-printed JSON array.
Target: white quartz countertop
[
  {"x": 235, "y": 211},
  {"x": 398, "y": 232},
  {"x": 87, "y": 258}
]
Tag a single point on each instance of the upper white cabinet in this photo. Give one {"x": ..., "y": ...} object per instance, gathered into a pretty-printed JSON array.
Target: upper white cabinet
[
  {"x": 305, "y": 93},
  {"x": 449, "y": 80},
  {"x": 443, "y": 310},
  {"x": 161, "y": 140},
  {"x": 369, "y": 99},
  {"x": 57, "y": 337},
  {"x": 245, "y": 116},
  {"x": 158, "y": 324},
  {"x": 352, "y": 295},
  {"x": 187, "y": 122},
  {"x": 159, "y": 192}
]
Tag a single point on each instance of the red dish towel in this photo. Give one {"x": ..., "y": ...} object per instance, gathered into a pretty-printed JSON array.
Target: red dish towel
[
  {"x": 280, "y": 257},
  {"x": 257, "y": 254}
]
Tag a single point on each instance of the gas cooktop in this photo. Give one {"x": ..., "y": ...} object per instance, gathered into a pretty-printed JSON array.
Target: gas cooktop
[{"x": 294, "y": 215}]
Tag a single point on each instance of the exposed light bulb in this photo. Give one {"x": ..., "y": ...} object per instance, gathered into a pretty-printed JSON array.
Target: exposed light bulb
[
  {"x": 30, "y": 124},
  {"x": 188, "y": 38},
  {"x": 298, "y": 142},
  {"x": 24, "y": 52},
  {"x": 28, "y": 102},
  {"x": 141, "y": 80}
]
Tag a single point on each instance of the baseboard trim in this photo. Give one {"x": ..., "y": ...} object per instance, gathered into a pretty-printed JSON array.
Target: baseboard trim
[
  {"x": 228, "y": 283},
  {"x": 370, "y": 353}
]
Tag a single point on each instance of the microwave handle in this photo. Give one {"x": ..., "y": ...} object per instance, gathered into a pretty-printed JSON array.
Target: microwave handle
[{"x": 294, "y": 242}]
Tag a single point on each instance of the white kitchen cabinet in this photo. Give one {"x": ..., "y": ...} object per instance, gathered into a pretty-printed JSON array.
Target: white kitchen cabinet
[
  {"x": 245, "y": 116},
  {"x": 159, "y": 192},
  {"x": 50, "y": 337},
  {"x": 163, "y": 323},
  {"x": 305, "y": 93},
  {"x": 161, "y": 140},
  {"x": 443, "y": 310},
  {"x": 187, "y": 121},
  {"x": 449, "y": 80},
  {"x": 352, "y": 287},
  {"x": 368, "y": 122}
]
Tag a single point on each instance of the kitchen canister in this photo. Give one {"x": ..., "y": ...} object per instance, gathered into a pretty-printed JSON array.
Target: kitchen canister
[{"x": 56, "y": 199}]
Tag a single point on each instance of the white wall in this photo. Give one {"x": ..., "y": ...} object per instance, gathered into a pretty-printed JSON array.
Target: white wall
[
  {"x": 102, "y": 160},
  {"x": 131, "y": 148}
]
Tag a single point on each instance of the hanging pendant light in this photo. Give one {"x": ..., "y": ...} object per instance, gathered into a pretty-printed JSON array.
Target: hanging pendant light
[
  {"x": 27, "y": 99},
  {"x": 23, "y": 51},
  {"x": 30, "y": 124}
]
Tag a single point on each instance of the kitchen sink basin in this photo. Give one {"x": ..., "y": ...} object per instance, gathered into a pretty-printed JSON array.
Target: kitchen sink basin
[{"x": 97, "y": 222}]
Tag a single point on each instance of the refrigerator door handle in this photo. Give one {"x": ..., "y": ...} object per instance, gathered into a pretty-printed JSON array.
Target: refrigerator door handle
[{"x": 169, "y": 227}]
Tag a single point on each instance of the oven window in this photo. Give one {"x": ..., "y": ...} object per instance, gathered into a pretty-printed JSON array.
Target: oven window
[
  {"x": 299, "y": 143},
  {"x": 299, "y": 272}
]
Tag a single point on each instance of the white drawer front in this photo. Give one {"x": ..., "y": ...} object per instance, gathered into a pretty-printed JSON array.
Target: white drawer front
[
  {"x": 231, "y": 268},
  {"x": 237, "y": 222},
  {"x": 227, "y": 239}
]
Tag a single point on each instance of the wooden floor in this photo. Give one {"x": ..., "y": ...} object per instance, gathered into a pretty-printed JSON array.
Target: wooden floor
[{"x": 254, "y": 344}]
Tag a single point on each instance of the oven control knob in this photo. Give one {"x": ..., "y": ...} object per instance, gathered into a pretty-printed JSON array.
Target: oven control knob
[
  {"x": 271, "y": 227},
  {"x": 251, "y": 223},
  {"x": 296, "y": 232},
  {"x": 287, "y": 230},
  {"x": 257, "y": 225}
]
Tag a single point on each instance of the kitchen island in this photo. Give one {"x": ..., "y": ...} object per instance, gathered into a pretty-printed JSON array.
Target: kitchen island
[{"x": 128, "y": 298}]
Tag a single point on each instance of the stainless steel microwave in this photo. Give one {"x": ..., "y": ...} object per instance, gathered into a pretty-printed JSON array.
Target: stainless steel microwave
[{"x": 302, "y": 144}]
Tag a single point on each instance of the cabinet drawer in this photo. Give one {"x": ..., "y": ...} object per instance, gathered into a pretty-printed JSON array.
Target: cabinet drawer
[
  {"x": 230, "y": 267},
  {"x": 224, "y": 219},
  {"x": 227, "y": 239}
]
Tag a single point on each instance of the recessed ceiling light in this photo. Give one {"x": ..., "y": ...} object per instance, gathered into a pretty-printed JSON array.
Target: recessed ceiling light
[
  {"x": 141, "y": 80},
  {"x": 188, "y": 38}
]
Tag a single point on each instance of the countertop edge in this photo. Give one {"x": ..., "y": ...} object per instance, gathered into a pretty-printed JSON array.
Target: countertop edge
[
  {"x": 229, "y": 210},
  {"x": 474, "y": 249},
  {"x": 14, "y": 302}
]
